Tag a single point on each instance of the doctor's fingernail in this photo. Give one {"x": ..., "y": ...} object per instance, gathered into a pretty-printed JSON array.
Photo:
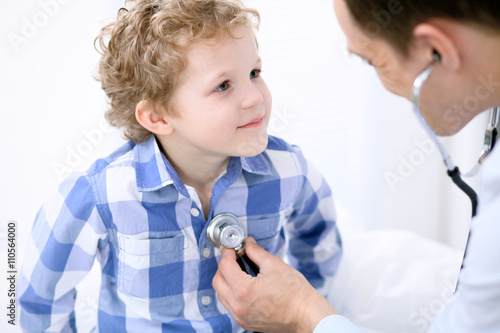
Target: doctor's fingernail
[{"x": 250, "y": 239}]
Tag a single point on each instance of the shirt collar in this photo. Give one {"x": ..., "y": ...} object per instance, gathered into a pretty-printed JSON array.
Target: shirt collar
[
  {"x": 256, "y": 164},
  {"x": 153, "y": 170}
]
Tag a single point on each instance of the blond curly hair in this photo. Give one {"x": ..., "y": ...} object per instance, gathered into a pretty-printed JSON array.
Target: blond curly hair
[{"x": 143, "y": 51}]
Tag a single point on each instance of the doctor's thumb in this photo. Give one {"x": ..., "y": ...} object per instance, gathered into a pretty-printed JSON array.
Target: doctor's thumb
[{"x": 257, "y": 254}]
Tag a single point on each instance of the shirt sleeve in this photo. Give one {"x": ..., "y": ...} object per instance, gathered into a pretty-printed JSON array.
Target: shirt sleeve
[
  {"x": 336, "y": 323},
  {"x": 60, "y": 252},
  {"x": 314, "y": 240}
]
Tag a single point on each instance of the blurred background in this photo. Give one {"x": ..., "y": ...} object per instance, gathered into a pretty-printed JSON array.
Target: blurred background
[{"x": 367, "y": 143}]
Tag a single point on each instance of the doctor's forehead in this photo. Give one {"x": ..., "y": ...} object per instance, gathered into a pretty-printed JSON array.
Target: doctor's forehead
[{"x": 358, "y": 42}]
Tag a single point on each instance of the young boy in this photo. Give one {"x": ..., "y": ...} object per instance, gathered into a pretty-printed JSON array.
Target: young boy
[{"x": 183, "y": 79}]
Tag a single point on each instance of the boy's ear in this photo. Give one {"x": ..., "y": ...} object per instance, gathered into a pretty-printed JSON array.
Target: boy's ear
[
  {"x": 441, "y": 42},
  {"x": 150, "y": 120}
]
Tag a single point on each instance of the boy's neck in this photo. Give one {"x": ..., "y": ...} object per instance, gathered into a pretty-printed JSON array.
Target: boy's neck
[{"x": 194, "y": 169}]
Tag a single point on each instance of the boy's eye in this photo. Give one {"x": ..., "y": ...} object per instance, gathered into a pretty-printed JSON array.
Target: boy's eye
[
  {"x": 223, "y": 86},
  {"x": 255, "y": 73}
]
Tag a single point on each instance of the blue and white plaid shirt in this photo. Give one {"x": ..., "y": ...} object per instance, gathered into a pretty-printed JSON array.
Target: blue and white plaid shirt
[{"x": 132, "y": 212}]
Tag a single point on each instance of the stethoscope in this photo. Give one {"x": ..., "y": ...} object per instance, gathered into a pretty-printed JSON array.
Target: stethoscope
[
  {"x": 226, "y": 230},
  {"x": 452, "y": 170}
]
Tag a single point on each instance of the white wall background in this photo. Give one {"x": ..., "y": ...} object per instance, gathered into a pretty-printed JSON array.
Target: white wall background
[{"x": 331, "y": 105}]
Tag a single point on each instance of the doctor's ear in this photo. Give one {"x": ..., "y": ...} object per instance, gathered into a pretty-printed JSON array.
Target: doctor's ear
[
  {"x": 441, "y": 44},
  {"x": 147, "y": 115}
]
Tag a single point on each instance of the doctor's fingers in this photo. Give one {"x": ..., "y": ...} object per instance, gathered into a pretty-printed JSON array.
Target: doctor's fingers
[
  {"x": 229, "y": 302},
  {"x": 235, "y": 301},
  {"x": 221, "y": 286},
  {"x": 258, "y": 255},
  {"x": 229, "y": 278}
]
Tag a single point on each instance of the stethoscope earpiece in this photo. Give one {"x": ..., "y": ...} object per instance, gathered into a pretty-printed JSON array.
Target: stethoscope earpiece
[{"x": 436, "y": 56}]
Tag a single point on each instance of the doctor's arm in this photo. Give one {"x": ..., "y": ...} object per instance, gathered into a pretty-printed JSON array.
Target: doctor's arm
[{"x": 279, "y": 299}]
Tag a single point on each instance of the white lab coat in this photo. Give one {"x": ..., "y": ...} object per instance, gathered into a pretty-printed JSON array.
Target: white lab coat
[{"x": 475, "y": 307}]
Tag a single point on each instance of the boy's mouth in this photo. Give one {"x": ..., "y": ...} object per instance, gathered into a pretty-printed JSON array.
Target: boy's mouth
[{"x": 254, "y": 123}]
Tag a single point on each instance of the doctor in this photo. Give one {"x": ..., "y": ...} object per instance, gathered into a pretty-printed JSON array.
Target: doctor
[{"x": 400, "y": 38}]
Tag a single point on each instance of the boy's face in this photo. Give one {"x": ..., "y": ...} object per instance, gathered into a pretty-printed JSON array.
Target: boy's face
[{"x": 222, "y": 102}]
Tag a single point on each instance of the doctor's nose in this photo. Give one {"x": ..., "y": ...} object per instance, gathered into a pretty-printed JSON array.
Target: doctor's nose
[{"x": 251, "y": 96}]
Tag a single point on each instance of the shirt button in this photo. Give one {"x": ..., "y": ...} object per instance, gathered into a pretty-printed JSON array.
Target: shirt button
[
  {"x": 195, "y": 212},
  {"x": 206, "y": 252},
  {"x": 205, "y": 300}
]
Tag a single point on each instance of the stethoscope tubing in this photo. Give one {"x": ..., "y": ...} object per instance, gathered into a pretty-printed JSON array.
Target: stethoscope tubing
[{"x": 452, "y": 170}]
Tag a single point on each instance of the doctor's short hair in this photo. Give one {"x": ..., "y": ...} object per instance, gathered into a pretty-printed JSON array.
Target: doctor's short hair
[
  {"x": 394, "y": 20},
  {"x": 143, "y": 52}
]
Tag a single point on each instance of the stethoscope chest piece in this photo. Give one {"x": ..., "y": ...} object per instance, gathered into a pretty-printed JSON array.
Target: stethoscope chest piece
[{"x": 225, "y": 229}]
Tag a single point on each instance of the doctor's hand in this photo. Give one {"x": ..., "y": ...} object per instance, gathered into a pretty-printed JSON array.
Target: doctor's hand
[{"x": 279, "y": 299}]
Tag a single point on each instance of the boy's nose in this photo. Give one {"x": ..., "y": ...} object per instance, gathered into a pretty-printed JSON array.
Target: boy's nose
[{"x": 252, "y": 96}]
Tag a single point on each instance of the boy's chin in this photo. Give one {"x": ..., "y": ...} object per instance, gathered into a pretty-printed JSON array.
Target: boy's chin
[{"x": 253, "y": 147}]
